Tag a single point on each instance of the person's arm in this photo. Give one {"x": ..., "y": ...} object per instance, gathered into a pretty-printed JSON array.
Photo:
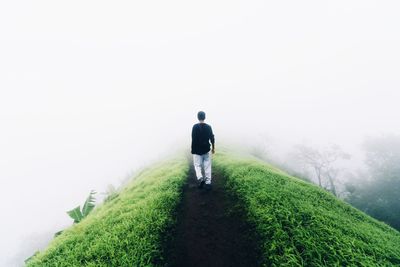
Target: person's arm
[
  {"x": 193, "y": 134},
  {"x": 212, "y": 139}
]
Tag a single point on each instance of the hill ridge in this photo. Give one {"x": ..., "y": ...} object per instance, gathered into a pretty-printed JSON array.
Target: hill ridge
[{"x": 292, "y": 223}]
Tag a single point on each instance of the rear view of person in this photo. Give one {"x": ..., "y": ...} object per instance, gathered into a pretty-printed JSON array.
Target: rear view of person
[{"x": 202, "y": 135}]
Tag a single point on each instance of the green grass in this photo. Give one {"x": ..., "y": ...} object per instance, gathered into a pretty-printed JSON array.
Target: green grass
[
  {"x": 296, "y": 223},
  {"x": 299, "y": 224},
  {"x": 128, "y": 229}
]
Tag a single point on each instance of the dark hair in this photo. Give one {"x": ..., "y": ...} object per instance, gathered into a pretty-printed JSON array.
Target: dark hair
[{"x": 201, "y": 115}]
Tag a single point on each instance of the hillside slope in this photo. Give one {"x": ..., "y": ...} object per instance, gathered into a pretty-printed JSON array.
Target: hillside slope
[
  {"x": 300, "y": 224},
  {"x": 289, "y": 223},
  {"x": 127, "y": 230}
]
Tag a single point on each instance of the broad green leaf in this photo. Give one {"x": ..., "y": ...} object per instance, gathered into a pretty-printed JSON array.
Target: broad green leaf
[
  {"x": 89, "y": 204},
  {"x": 58, "y": 233},
  {"x": 76, "y": 214}
]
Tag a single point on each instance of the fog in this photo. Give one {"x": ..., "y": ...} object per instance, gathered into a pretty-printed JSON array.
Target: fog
[{"x": 92, "y": 91}]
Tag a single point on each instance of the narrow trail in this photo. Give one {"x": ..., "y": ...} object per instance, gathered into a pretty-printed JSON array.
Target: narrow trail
[{"x": 209, "y": 231}]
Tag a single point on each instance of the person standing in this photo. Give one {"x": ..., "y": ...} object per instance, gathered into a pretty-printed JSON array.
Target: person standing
[{"x": 202, "y": 135}]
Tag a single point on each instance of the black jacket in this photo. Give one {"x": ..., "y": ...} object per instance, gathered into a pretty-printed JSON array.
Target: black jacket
[{"x": 202, "y": 134}]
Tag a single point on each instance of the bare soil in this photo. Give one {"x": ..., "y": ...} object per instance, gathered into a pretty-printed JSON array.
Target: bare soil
[{"x": 211, "y": 229}]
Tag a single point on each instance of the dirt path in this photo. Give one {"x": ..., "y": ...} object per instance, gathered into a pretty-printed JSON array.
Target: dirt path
[{"x": 209, "y": 232}]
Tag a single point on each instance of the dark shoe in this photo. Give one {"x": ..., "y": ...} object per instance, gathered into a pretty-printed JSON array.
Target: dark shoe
[
  {"x": 200, "y": 183},
  {"x": 208, "y": 187}
]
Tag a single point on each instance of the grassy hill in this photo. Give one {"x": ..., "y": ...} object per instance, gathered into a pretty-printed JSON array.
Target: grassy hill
[
  {"x": 127, "y": 230},
  {"x": 300, "y": 224},
  {"x": 295, "y": 223}
]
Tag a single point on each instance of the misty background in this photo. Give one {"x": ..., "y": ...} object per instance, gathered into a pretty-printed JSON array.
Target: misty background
[{"x": 92, "y": 91}]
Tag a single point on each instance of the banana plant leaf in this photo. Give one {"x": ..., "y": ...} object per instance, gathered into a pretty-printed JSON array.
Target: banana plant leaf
[
  {"x": 89, "y": 204},
  {"x": 58, "y": 233},
  {"x": 76, "y": 214}
]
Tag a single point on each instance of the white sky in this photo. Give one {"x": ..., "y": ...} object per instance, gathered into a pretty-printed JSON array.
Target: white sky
[{"x": 90, "y": 90}]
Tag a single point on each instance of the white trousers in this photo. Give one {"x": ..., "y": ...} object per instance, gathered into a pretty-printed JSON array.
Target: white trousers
[{"x": 203, "y": 162}]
